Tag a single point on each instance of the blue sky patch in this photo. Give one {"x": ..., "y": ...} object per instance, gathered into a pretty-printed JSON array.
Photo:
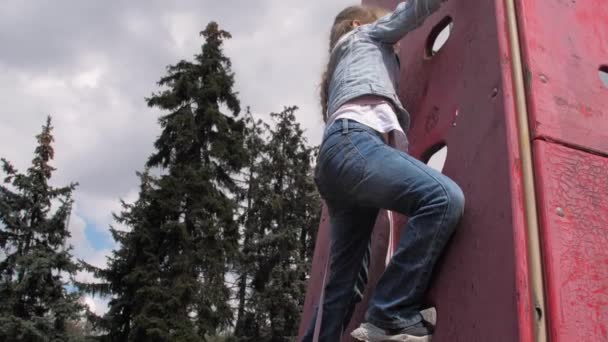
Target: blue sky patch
[{"x": 99, "y": 239}]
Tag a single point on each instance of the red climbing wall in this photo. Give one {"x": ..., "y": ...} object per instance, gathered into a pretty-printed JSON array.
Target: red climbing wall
[
  {"x": 463, "y": 97},
  {"x": 565, "y": 43},
  {"x": 573, "y": 206}
]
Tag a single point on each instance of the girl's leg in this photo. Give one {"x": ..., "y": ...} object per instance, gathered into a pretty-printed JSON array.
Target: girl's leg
[
  {"x": 360, "y": 285},
  {"x": 357, "y": 170},
  {"x": 434, "y": 204},
  {"x": 351, "y": 229},
  {"x": 339, "y": 168}
]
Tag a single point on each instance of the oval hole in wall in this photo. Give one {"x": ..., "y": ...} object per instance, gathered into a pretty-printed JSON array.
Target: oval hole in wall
[
  {"x": 436, "y": 156},
  {"x": 604, "y": 75},
  {"x": 439, "y": 36}
]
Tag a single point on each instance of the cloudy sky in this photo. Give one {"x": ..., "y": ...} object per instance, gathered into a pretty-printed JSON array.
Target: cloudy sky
[{"x": 90, "y": 64}]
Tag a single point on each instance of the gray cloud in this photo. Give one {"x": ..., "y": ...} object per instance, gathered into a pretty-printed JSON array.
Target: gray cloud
[{"x": 91, "y": 63}]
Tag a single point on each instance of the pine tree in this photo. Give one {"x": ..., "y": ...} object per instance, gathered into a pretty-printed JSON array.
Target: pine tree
[
  {"x": 201, "y": 146},
  {"x": 282, "y": 220},
  {"x": 255, "y": 143},
  {"x": 35, "y": 304},
  {"x": 168, "y": 278},
  {"x": 132, "y": 273}
]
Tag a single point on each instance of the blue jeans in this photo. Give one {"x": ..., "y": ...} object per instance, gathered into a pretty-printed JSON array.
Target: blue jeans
[{"x": 356, "y": 174}]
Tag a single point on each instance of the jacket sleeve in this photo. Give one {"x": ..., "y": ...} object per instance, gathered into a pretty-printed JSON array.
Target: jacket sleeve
[{"x": 408, "y": 16}]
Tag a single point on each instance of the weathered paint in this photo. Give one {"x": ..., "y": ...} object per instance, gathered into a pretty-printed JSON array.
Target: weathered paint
[
  {"x": 481, "y": 287},
  {"x": 573, "y": 207},
  {"x": 565, "y": 43}
]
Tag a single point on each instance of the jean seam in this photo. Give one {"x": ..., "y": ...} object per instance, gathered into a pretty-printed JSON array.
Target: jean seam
[{"x": 355, "y": 146}]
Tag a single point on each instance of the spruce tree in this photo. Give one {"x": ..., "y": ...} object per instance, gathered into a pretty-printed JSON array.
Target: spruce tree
[
  {"x": 168, "y": 278},
  {"x": 201, "y": 147},
  {"x": 282, "y": 218},
  {"x": 35, "y": 304},
  {"x": 255, "y": 135},
  {"x": 132, "y": 274}
]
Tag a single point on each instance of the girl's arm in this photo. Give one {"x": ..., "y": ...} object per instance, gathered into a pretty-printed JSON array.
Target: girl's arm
[{"x": 407, "y": 16}]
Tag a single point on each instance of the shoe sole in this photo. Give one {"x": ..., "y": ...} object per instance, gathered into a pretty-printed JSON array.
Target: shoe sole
[{"x": 373, "y": 334}]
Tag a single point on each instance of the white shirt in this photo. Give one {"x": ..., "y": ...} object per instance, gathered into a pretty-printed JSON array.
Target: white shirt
[{"x": 372, "y": 111}]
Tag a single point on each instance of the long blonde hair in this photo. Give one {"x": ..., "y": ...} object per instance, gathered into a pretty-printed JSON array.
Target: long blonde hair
[{"x": 342, "y": 25}]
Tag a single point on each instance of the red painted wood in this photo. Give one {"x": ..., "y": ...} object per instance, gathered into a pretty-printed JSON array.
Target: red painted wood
[
  {"x": 565, "y": 42},
  {"x": 481, "y": 286},
  {"x": 315, "y": 282},
  {"x": 573, "y": 188}
]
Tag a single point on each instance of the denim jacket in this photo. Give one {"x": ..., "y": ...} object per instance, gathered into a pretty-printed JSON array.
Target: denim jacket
[{"x": 364, "y": 61}]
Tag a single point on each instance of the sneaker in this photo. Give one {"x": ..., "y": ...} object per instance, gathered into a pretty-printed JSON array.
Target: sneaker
[
  {"x": 430, "y": 315},
  {"x": 420, "y": 332}
]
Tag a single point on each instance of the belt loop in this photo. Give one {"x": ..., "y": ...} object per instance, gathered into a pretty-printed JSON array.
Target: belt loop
[{"x": 344, "y": 126}]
